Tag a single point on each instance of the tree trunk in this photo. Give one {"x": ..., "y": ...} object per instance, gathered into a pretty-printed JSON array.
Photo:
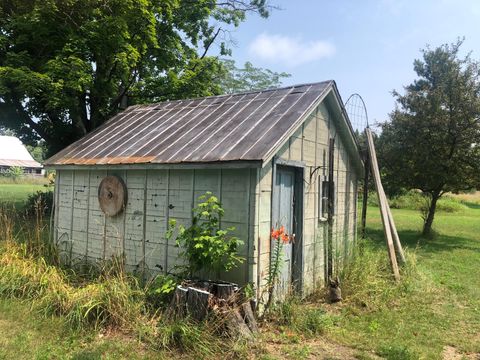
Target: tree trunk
[{"x": 427, "y": 225}]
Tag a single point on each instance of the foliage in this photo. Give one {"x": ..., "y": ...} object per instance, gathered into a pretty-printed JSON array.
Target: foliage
[
  {"x": 249, "y": 78},
  {"x": 160, "y": 289},
  {"x": 14, "y": 172},
  {"x": 38, "y": 151},
  {"x": 205, "y": 246},
  {"x": 67, "y": 66},
  {"x": 431, "y": 142},
  {"x": 39, "y": 201}
]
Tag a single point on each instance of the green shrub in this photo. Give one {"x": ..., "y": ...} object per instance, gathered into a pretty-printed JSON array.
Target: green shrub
[
  {"x": 160, "y": 289},
  {"x": 40, "y": 201},
  {"x": 205, "y": 246}
]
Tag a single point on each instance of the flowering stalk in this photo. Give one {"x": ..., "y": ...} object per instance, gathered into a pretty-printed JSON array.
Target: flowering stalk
[{"x": 281, "y": 238}]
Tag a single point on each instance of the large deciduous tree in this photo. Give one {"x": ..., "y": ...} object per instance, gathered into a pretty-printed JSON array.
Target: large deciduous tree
[
  {"x": 432, "y": 141},
  {"x": 66, "y": 65},
  {"x": 249, "y": 78}
]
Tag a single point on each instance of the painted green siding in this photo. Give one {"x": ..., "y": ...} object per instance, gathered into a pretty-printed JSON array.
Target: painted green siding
[
  {"x": 309, "y": 144},
  {"x": 154, "y": 196}
]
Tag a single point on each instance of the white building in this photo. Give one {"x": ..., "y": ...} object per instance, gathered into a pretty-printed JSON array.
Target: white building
[{"x": 13, "y": 153}]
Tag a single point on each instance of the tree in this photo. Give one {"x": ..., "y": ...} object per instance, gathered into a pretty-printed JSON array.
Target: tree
[
  {"x": 67, "y": 66},
  {"x": 432, "y": 142},
  {"x": 249, "y": 78}
]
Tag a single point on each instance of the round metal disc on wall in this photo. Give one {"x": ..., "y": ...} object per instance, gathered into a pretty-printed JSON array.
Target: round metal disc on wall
[{"x": 112, "y": 195}]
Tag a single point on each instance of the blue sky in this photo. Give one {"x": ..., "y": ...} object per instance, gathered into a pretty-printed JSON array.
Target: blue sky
[{"x": 366, "y": 46}]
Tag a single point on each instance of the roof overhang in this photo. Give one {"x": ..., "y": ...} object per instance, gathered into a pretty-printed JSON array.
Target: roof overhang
[{"x": 155, "y": 166}]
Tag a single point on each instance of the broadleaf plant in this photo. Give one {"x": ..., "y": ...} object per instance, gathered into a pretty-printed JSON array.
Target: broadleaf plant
[{"x": 206, "y": 248}]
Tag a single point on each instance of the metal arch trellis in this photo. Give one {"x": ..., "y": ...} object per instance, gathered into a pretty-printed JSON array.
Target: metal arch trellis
[
  {"x": 357, "y": 112},
  {"x": 358, "y": 115}
]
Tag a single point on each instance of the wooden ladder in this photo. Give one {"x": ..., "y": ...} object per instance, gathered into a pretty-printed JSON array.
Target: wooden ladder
[{"x": 389, "y": 228}]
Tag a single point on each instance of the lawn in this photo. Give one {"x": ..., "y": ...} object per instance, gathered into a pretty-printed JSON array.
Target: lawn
[
  {"x": 25, "y": 334},
  {"x": 17, "y": 194},
  {"x": 441, "y": 307},
  {"x": 435, "y": 311}
]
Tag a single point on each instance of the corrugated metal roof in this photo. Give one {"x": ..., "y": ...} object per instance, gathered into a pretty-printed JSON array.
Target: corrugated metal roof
[
  {"x": 14, "y": 153},
  {"x": 220, "y": 128}
]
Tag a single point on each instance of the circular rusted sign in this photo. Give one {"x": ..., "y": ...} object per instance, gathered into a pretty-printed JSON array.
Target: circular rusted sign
[{"x": 112, "y": 195}]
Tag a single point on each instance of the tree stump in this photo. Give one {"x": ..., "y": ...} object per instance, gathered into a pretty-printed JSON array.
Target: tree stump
[
  {"x": 197, "y": 303},
  {"x": 178, "y": 306},
  {"x": 199, "y": 298},
  {"x": 248, "y": 317},
  {"x": 224, "y": 291},
  {"x": 236, "y": 325}
]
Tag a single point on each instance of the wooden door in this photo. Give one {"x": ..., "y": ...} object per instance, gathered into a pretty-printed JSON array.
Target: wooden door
[{"x": 283, "y": 210}]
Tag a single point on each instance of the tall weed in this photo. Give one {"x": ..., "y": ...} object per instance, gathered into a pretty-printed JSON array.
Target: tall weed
[{"x": 367, "y": 281}]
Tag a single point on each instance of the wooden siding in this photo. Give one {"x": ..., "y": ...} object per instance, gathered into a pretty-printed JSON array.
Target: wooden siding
[
  {"x": 154, "y": 196},
  {"x": 309, "y": 144}
]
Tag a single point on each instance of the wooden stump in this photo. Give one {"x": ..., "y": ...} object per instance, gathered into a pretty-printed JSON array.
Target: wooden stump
[
  {"x": 236, "y": 325},
  {"x": 197, "y": 303},
  {"x": 234, "y": 313},
  {"x": 178, "y": 306},
  {"x": 249, "y": 318},
  {"x": 224, "y": 291}
]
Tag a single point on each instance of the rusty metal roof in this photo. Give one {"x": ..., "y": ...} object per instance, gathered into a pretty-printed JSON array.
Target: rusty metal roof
[{"x": 243, "y": 127}]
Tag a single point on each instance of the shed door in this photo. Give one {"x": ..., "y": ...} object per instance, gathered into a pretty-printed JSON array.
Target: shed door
[{"x": 283, "y": 214}]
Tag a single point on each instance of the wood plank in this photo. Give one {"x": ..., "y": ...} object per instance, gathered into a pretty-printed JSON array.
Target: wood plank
[
  {"x": 383, "y": 206},
  {"x": 396, "y": 238}
]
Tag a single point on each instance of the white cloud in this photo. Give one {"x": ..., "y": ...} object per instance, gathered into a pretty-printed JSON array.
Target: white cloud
[{"x": 291, "y": 51}]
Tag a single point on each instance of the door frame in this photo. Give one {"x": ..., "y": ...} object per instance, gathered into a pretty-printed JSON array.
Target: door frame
[{"x": 298, "y": 167}]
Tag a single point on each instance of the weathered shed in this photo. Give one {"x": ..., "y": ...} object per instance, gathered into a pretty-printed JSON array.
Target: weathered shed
[{"x": 265, "y": 154}]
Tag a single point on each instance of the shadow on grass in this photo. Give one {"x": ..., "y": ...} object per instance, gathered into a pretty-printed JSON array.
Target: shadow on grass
[
  {"x": 471, "y": 205},
  {"x": 413, "y": 239}
]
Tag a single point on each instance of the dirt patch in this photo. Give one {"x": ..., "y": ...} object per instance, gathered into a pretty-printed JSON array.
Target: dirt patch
[
  {"x": 451, "y": 353},
  {"x": 313, "y": 349}
]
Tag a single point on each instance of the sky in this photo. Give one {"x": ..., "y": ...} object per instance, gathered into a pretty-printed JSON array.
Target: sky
[{"x": 367, "y": 47}]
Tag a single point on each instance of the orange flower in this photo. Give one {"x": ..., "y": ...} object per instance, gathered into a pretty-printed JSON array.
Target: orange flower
[
  {"x": 275, "y": 234},
  {"x": 285, "y": 238},
  {"x": 282, "y": 230}
]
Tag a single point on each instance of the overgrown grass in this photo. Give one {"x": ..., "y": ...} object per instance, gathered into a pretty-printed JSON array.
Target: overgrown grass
[
  {"x": 302, "y": 317},
  {"x": 367, "y": 282},
  {"x": 24, "y": 180},
  {"x": 109, "y": 301}
]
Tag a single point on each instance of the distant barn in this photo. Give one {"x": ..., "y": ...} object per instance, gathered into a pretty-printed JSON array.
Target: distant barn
[
  {"x": 265, "y": 154},
  {"x": 14, "y": 154}
]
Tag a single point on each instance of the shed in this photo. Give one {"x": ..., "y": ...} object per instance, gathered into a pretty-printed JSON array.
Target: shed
[
  {"x": 264, "y": 154},
  {"x": 14, "y": 154}
]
